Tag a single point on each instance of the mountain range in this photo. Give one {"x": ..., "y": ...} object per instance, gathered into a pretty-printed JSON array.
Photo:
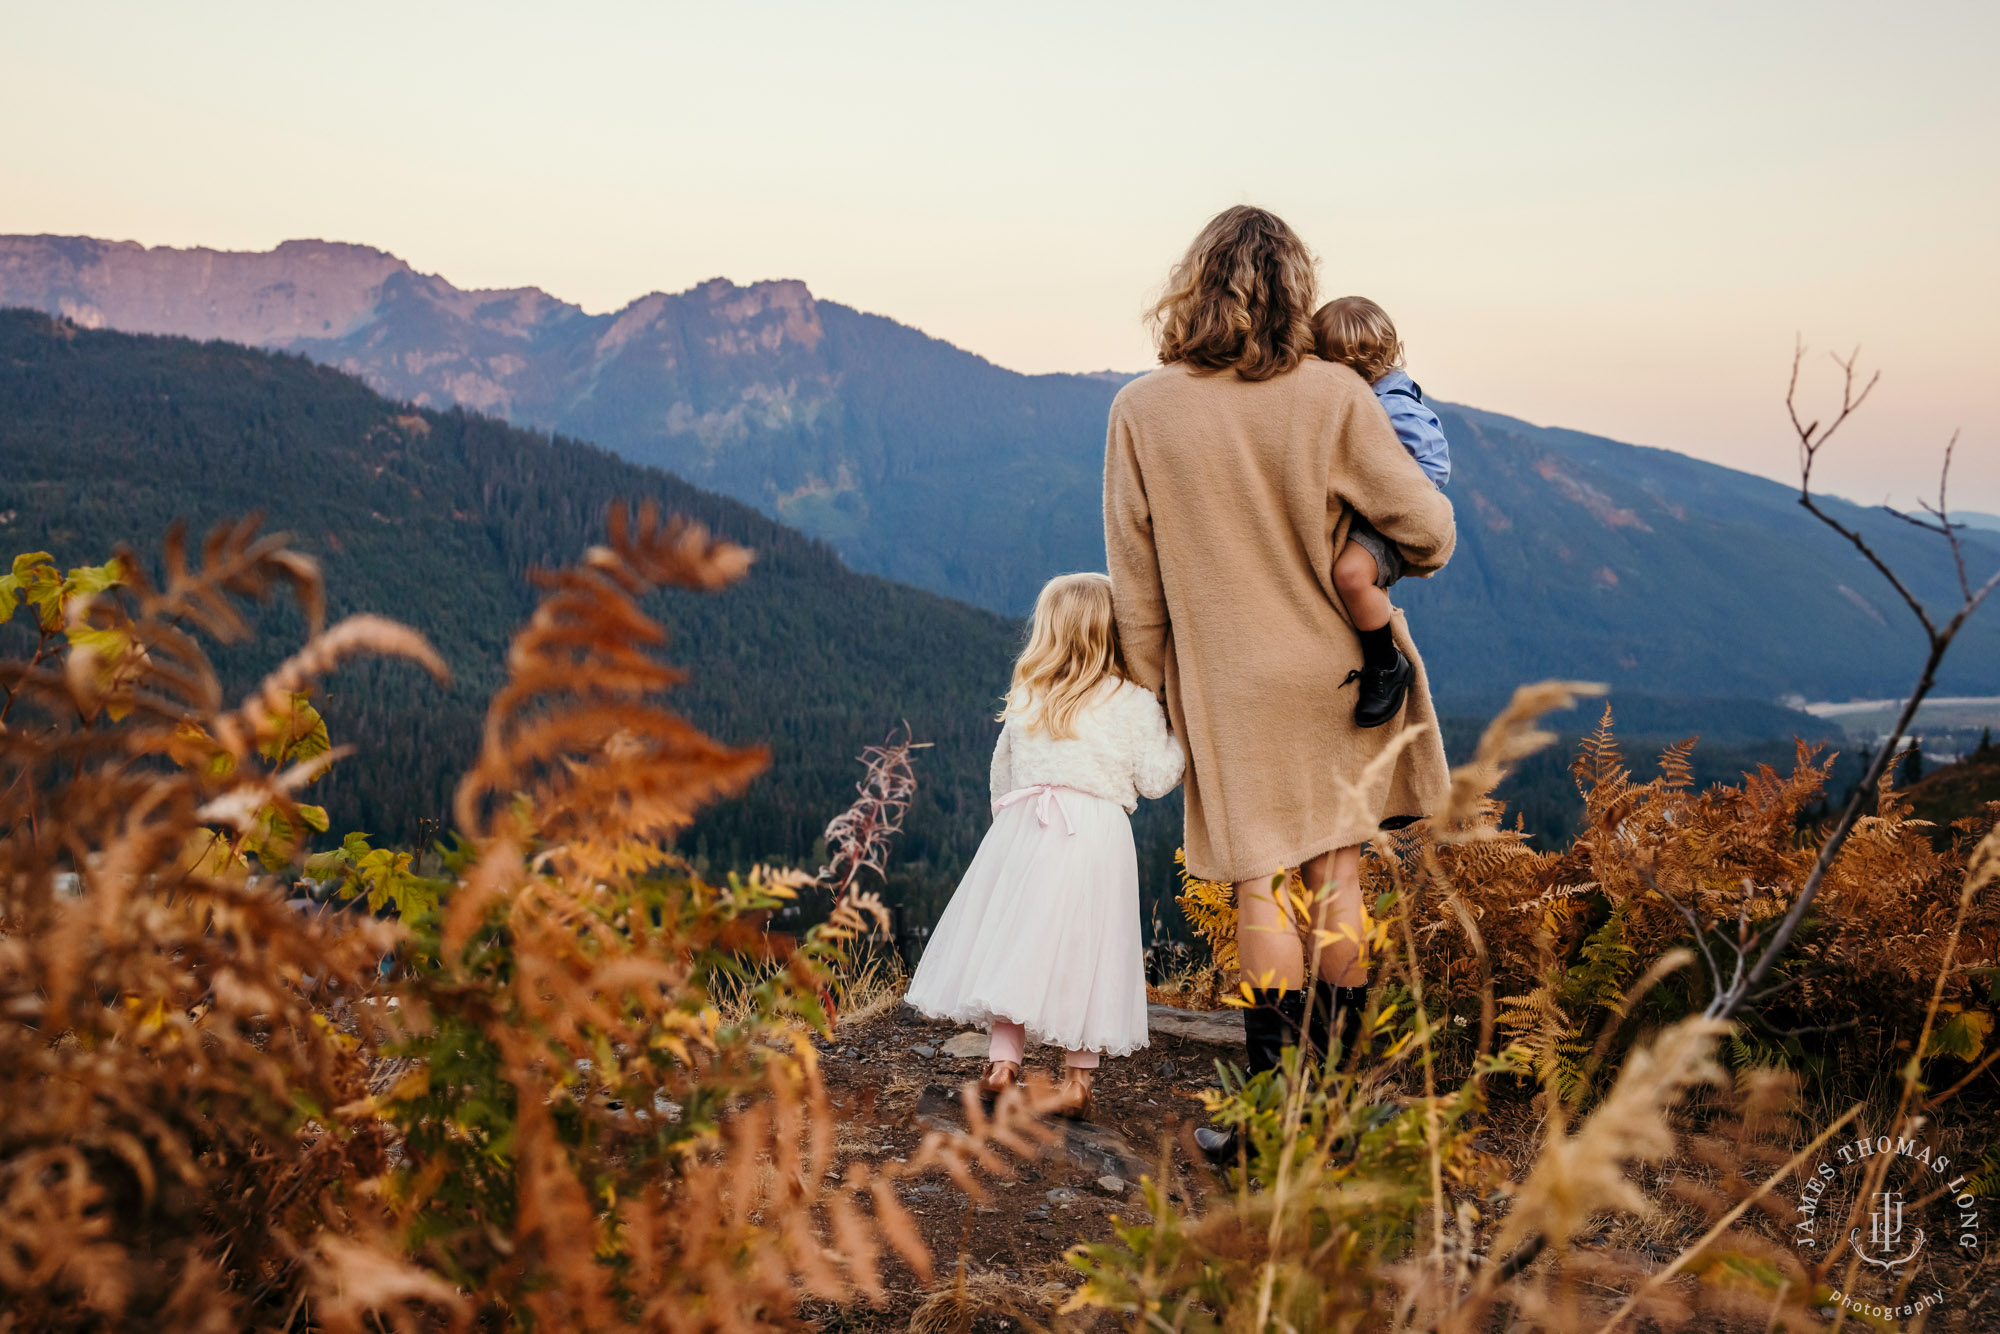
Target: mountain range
[{"x": 917, "y": 460}]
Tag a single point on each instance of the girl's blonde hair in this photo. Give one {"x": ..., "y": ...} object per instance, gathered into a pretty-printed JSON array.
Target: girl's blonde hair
[
  {"x": 1241, "y": 299},
  {"x": 1072, "y": 649},
  {"x": 1356, "y": 332}
]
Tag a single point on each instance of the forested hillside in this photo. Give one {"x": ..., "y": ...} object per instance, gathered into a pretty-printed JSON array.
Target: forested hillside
[
  {"x": 436, "y": 518},
  {"x": 1655, "y": 571}
]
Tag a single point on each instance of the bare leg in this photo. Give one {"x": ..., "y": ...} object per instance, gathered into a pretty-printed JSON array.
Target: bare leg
[
  {"x": 1267, "y": 940},
  {"x": 1354, "y": 575},
  {"x": 1334, "y": 878}
]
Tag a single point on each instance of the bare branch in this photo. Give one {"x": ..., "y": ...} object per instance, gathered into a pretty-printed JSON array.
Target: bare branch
[
  {"x": 1811, "y": 1029},
  {"x": 1694, "y": 923},
  {"x": 1943, "y": 512},
  {"x": 1881, "y": 566},
  {"x": 1913, "y": 520},
  {"x": 1812, "y": 437}
]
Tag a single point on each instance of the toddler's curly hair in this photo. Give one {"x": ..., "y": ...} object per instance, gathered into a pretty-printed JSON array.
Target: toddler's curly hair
[{"x": 1356, "y": 332}]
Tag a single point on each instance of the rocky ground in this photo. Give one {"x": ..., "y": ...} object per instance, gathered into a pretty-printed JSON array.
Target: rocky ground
[
  {"x": 897, "y": 1076},
  {"x": 999, "y": 1262}
]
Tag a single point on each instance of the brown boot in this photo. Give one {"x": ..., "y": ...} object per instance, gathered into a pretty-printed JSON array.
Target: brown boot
[
  {"x": 1073, "y": 1099},
  {"x": 999, "y": 1077}
]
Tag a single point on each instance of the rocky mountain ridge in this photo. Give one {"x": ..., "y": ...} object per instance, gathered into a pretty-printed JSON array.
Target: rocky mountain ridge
[
  {"x": 920, "y": 461},
  {"x": 848, "y": 425}
]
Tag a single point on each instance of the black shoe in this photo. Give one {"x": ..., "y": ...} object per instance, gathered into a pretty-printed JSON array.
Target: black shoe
[
  {"x": 1217, "y": 1144},
  {"x": 1383, "y": 690}
]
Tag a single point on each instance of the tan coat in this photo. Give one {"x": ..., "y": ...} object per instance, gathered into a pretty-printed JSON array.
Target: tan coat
[{"x": 1225, "y": 502}]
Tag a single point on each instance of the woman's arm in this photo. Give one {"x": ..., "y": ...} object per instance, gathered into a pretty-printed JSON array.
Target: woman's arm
[
  {"x": 1136, "y": 592},
  {"x": 1374, "y": 473},
  {"x": 1157, "y": 760}
]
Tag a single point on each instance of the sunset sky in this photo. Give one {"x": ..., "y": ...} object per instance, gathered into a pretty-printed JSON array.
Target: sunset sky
[{"x": 1607, "y": 217}]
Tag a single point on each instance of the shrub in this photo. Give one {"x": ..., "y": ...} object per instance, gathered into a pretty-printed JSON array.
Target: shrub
[
  {"x": 1368, "y": 1195},
  {"x": 511, "y": 1097}
]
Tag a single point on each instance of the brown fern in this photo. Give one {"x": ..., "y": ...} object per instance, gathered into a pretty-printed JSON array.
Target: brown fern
[{"x": 168, "y": 1074}]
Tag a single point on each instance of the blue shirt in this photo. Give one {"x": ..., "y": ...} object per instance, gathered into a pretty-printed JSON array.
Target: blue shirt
[{"x": 1416, "y": 425}]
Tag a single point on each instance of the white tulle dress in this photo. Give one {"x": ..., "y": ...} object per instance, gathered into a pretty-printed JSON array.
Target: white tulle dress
[{"x": 1044, "y": 928}]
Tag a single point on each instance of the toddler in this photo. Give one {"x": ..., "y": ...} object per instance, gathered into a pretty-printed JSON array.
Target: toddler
[
  {"x": 1041, "y": 939},
  {"x": 1358, "y": 333}
]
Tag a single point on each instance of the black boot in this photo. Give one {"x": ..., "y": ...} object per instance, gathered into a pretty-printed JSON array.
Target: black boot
[
  {"x": 1272, "y": 1023},
  {"x": 1280, "y": 1024},
  {"x": 1383, "y": 690},
  {"x": 1337, "y": 1010}
]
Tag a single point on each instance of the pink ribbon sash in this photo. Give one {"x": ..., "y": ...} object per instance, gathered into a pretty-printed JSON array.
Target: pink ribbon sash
[{"x": 1045, "y": 795}]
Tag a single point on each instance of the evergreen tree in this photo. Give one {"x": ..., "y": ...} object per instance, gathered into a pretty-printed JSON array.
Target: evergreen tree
[{"x": 1910, "y": 769}]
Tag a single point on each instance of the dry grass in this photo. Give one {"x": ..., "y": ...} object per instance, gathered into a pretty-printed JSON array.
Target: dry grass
[
  {"x": 857, "y": 987},
  {"x": 593, "y": 1102},
  {"x": 971, "y": 1297},
  {"x": 1195, "y": 985},
  {"x": 870, "y": 990}
]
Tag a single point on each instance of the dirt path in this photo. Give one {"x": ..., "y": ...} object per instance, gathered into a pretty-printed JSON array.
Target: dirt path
[{"x": 897, "y": 1076}]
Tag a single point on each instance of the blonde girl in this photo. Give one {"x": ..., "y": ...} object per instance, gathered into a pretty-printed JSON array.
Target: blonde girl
[{"x": 1041, "y": 941}]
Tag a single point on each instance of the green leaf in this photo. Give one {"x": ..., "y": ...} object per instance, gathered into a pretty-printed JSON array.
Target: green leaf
[
  {"x": 1963, "y": 1035},
  {"x": 274, "y": 840},
  {"x": 36, "y": 581},
  {"x": 301, "y": 737},
  {"x": 24, "y": 565},
  {"x": 87, "y": 579},
  {"x": 108, "y": 644}
]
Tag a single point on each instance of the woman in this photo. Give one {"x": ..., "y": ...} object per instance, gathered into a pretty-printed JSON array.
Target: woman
[{"x": 1231, "y": 475}]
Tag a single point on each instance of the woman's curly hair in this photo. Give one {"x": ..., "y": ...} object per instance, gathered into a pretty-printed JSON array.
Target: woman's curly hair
[{"x": 1241, "y": 299}]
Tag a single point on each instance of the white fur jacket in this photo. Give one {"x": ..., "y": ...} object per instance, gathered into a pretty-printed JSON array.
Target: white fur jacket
[{"x": 1122, "y": 750}]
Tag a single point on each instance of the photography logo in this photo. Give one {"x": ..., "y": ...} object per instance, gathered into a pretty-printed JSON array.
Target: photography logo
[{"x": 1891, "y": 1221}]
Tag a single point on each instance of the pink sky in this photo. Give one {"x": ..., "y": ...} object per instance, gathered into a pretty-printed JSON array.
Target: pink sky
[{"x": 1593, "y": 216}]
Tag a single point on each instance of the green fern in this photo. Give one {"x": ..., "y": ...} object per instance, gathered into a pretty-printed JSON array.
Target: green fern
[
  {"x": 1548, "y": 1043},
  {"x": 1599, "y": 979},
  {"x": 1985, "y": 1181},
  {"x": 1743, "y": 1050},
  {"x": 1549, "y": 1024}
]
